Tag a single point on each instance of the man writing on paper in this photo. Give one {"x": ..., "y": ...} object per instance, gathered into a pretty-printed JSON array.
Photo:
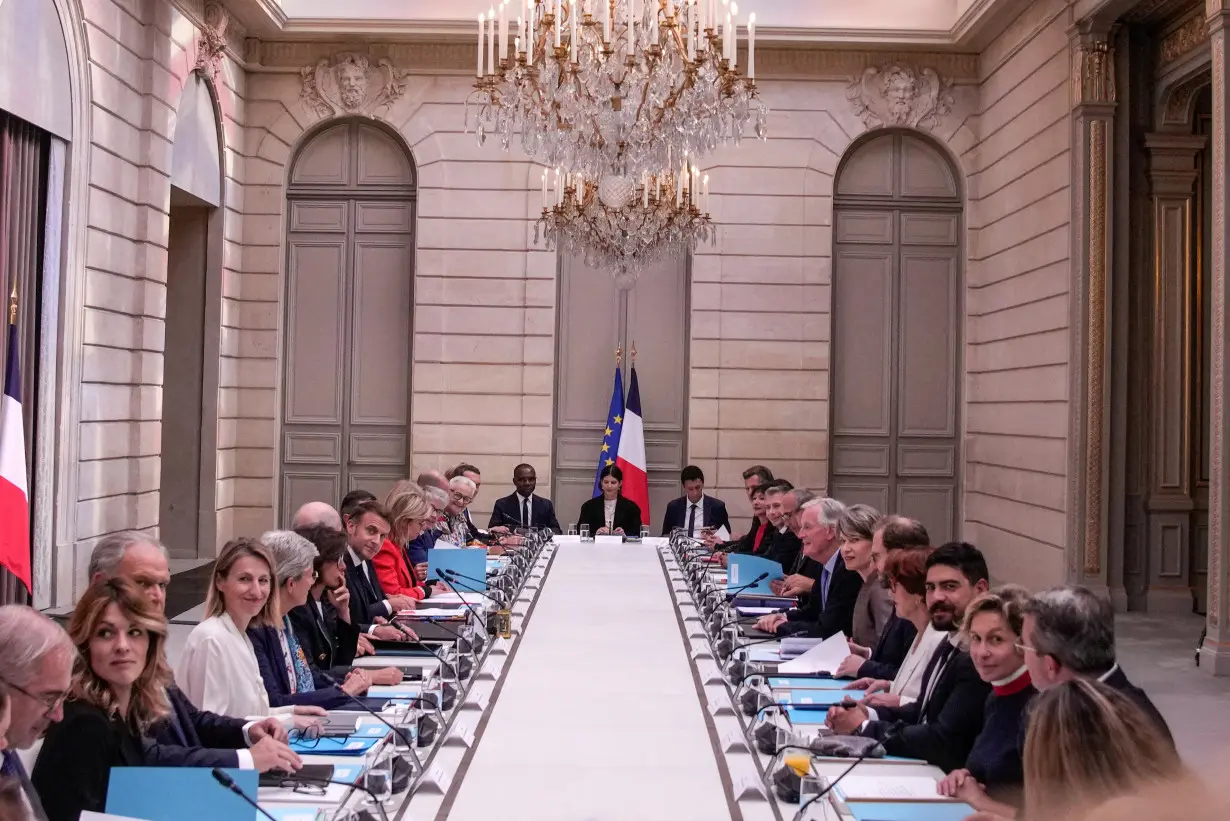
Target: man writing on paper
[
  {"x": 694, "y": 511},
  {"x": 942, "y": 725}
]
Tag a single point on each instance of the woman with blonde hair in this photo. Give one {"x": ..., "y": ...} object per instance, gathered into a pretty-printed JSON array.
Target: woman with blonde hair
[
  {"x": 1087, "y": 747},
  {"x": 118, "y": 691},
  {"x": 409, "y": 512},
  {"x": 873, "y": 608},
  {"x": 218, "y": 670}
]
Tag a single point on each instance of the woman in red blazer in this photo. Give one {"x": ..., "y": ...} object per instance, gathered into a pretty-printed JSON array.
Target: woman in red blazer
[{"x": 409, "y": 512}]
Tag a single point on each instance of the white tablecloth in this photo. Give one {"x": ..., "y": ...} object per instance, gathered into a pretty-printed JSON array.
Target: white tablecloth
[{"x": 599, "y": 717}]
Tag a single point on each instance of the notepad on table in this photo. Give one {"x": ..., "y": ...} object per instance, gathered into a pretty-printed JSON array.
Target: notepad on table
[
  {"x": 815, "y": 698},
  {"x": 825, "y": 657},
  {"x": 910, "y": 811},
  {"x": 760, "y": 611},
  {"x": 889, "y": 788},
  {"x": 807, "y": 683},
  {"x": 764, "y": 654},
  {"x": 391, "y": 691}
]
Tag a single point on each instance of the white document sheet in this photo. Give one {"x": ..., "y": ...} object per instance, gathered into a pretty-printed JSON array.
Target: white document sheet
[
  {"x": 889, "y": 788},
  {"x": 609, "y": 541},
  {"x": 90, "y": 815},
  {"x": 825, "y": 657},
  {"x": 723, "y": 535}
]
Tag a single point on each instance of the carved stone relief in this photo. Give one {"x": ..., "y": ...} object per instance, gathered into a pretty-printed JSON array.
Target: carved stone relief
[
  {"x": 1183, "y": 40},
  {"x": 900, "y": 95},
  {"x": 212, "y": 42},
  {"x": 351, "y": 83}
]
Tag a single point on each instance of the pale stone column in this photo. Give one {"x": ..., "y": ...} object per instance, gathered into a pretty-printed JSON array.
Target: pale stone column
[
  {"x": 1093, "y": 95},
  {"x": 1172, "y": 182},
  {"x": 1215, "y": 654}
]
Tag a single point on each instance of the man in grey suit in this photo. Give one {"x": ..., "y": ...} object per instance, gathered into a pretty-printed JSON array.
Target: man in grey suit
[{"x": 36, "y": 667}]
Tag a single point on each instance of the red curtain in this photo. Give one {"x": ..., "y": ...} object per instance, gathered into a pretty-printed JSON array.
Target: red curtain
[{"x": 23, "y": 185}]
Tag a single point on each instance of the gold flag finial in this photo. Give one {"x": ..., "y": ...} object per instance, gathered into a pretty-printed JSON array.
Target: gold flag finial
[
  {"x": 633, "y": 353},
  {"x": 13, "y": 304},
  {"x": 619, "y": 355}
]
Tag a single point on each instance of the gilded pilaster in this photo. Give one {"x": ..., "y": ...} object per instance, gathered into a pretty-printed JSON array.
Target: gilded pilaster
[
  {"x": 1215, "y": 654},
  {"x": 1093, "y": 98}
]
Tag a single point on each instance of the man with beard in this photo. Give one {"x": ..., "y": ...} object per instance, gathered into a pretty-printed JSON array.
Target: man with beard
[{"x": 941, "y": 726}]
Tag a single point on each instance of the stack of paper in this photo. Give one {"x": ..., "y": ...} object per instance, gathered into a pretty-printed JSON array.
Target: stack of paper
[
  {"x": 888, "y": 788},
  {"x": 825, "y": 657}
]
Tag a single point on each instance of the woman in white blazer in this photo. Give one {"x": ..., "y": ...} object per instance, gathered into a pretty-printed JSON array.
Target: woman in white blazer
[
  {"x": 906, "y": 571},
  {"x": 217, "y": 670}
]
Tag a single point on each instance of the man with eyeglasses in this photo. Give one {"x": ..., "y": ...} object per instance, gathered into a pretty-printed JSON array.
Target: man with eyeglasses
[
  {"x": 188, "y": 737},
  {"x": 36, "y": 666}
]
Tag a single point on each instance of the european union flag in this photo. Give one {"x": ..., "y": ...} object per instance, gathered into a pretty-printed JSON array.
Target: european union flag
[{"x": 610, "y": 436}]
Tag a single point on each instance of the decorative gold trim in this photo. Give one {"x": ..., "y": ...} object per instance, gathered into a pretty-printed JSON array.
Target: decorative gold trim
[
  {"x": 1096, "y": 358},
  {"x": 1093, "y": 70},
  {"x": 1184, "y": 40},
  {"x": 1217, "y": 413}
]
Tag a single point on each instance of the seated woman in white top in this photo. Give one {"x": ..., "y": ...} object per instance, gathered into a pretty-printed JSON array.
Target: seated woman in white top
[
  {"x": 217, "y": 670},
  {"x": 906, "y": 571}
]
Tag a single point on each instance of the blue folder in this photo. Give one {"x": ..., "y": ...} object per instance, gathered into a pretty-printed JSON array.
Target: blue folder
[
  {"x": 357, "y": 744},
  {"x": 909, "y": 810},
  {"x": 296, "y": 813},
  {"x": 792, "y": 683},
  {"x": 742, "y": 568},
  {"x": 809, "y": 699},
  {"x": 469, "y": 563},
  {"x": 800, "y": 715},
  {"x": 179, "y": 794}
]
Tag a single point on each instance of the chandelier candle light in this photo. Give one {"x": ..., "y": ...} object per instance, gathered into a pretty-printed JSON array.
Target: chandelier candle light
[
  {"x": 621, "y": 225},
  {"x": 615, "y": 87}
]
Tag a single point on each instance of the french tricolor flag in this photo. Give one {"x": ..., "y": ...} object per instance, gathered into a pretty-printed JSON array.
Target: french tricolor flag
[
  {"x": 631, "y": 458},
  {"x": 14, "y": 490}
]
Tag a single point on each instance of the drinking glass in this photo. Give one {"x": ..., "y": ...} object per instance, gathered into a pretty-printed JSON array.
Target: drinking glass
[
  {"x": 809, "y": 787},
  {"x": 645, "y": 531},
  {"x": 379, "y": 776},
  {"x": 572, "y": 528},
  {"x": 584, "y": 532}
]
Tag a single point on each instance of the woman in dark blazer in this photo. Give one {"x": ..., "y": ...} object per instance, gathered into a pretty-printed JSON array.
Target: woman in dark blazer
[
  {"x": 611, "y": 513},
  {"x": 118, "y": 691},
  {"x": 288, "y": 675}
]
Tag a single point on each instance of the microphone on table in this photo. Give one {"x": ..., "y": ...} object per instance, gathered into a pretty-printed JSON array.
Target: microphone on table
[
  {"x": 452, "y": 581},
  {"x": 733, "y": 592},
  {"x": 875, "y": 750},
  {"x": 461, "y": 670},
  {"x": 224, "y": 778},
  {"x": 293, "y": 780},
  {"x": 501, "y": 625},
  {"x": 428, "y": 732},
  {"x": 448, "y": 577},
  {"x": 464, "y": 644},
  {"x": 726, "y": 648}
]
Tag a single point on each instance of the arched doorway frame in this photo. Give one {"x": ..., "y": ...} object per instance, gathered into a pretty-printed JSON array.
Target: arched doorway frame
[
  {"x": 299, "y": 192},
  {"x": 952, "y": 203}
]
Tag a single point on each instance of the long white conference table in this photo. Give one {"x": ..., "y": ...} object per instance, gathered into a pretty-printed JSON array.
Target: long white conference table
[{"x": 598, "y": 716}]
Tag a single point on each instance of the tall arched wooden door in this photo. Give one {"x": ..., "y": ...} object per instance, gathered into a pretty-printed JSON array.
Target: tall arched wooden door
[
  {"x": 894, "y": 435},
  {"x": 349, "y": 303}
]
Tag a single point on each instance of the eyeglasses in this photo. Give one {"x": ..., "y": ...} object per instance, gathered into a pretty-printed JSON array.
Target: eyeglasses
[
  {"x": 308, "y": 737},
  {"x": 462, "y": 498},
  {"x": 1022, "y": 647},
  {"x": 50, "y": 701},
  {"x": 303, "y": 788}
]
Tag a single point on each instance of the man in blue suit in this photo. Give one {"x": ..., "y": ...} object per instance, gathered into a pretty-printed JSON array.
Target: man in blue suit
[{"x": 694, "y": 511}]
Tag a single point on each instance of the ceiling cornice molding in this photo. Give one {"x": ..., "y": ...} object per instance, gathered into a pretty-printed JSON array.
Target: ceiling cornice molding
[{"x": 774, "y": 62}]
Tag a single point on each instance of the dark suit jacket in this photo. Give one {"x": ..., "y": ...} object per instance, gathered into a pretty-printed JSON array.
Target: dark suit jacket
[
  {"x": 747, "y": 544},
  {"x": 944, "y": 732},
  {"x": 272, "y": 664},
  {"x": 827, "y": 618},
  {"x": 785, "y": 548},
  {"x": 890, "y": 650},
  {"x": 366, "y": 595},
  {"x": 329, "y": 643},
  {"x": 1118, "y": 680},
  {"x": 194, "y": 738},
  {"x": 627, "y": 516},
  {"x": 678, "y": 510},
  {"x": 74, "y": 767},
  {"x": 507, "y": 513},
  {"x": 11, "y": 759}
]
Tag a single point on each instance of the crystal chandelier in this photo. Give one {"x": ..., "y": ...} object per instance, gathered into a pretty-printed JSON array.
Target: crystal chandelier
[
  {"x": 621, "y": 226},
  {"x": 615, "y": 87}
]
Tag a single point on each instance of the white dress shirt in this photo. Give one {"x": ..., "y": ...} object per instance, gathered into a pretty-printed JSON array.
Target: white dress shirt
[
  {"x": 700, "y": 513},
  {"x": 218, "y": 672},
  {"x": 608, "y": 512},
  {"x": 908, "y": 683},
  {"x": 522, "y": 510},
  {"x": 366, "y": 567}
]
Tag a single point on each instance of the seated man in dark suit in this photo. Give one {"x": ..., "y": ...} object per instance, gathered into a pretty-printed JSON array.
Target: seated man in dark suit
[
  {"x": 694, "y": 511},
  {"x": 943, "y": 724},
  {"x": 367, "y": 526},
  {"x": 1069, "y": 632},
  {"x": 780, "y": 543},
  {"x": 829, "y": 606},
  {"x": 522, "y": 508},
  {"x": 188, "y": 737}
]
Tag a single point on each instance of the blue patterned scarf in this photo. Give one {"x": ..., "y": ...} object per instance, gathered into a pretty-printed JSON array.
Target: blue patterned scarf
[{"x": 303, "y": 672}]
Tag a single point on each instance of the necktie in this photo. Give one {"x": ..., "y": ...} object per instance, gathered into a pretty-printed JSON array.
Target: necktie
[
  {"x": 824, "y": 587},
  {"x": 525, "y": 512},
  {"x": 12, "y": 766},
  {"x": 945, "y": 653},
  {"x": 692, "y": 521}
]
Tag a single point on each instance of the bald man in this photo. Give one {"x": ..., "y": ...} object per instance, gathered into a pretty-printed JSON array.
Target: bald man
[
  {"x": 315, "y": 514},
  {"x": 432, "y": 478}
]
